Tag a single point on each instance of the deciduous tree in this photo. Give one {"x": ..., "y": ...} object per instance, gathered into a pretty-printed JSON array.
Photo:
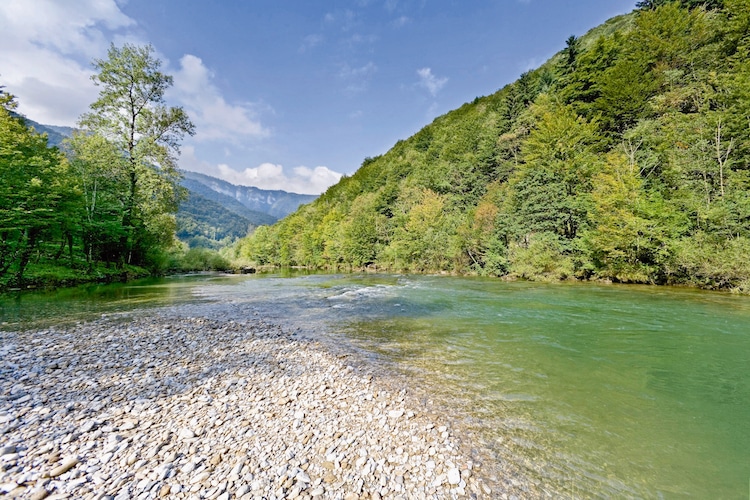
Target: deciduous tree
[{"x": 131, "y": 113}]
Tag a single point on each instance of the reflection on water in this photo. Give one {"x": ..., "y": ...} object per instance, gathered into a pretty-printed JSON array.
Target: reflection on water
[
  {"x": 596, "y": 390},
  {"x": 39, "y": 309}
]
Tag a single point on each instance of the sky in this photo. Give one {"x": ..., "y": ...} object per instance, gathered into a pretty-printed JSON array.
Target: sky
[{"x": 289, "y": 94}]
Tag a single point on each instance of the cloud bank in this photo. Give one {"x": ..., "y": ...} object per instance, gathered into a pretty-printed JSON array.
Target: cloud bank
[
  {"x": 46, "y": 51},
  {"x": 303, "y": 180},
  {"x": 215, "y": 119}
]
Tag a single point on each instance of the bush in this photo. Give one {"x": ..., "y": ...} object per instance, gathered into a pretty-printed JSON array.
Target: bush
[{"x": 200, "y": 259}]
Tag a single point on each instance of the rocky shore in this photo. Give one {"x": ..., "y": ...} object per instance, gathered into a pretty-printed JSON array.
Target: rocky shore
[{"x": 169, "y": 406}]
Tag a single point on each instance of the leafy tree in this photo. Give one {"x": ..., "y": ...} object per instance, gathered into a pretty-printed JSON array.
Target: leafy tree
[
  {"x": 560, "y": 158},
  {"x": 29, "y": 190},
  {"x": 582, "y": 87},
  {"x": 688, "y": 4},
  {"x": 100, "y": 175},
  {"x": 630, "y": 232},
  {"x": 131, "y": 114}
]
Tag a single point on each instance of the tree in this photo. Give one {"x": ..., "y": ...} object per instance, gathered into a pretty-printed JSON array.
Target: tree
[
  {"x": 629, "y": 231},
  {"x": 552, "y": 184},
  {"x": 688, "y": 4},
  {"x": 571, "y": 52},
  {"x": 99, "y": 174},
  {"x": 131, "y": 114},
  {"x": 29, "y": 190}
]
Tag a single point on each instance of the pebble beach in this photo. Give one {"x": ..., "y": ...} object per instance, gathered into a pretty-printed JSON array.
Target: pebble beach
[{"x": 168, "y": 405}]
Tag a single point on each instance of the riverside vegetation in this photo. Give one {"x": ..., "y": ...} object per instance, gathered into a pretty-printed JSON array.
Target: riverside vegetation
[
  {"x": 625, "y": 157},
  {"x": 102, "y": 206},
  {"x": 106, "y": 201}
]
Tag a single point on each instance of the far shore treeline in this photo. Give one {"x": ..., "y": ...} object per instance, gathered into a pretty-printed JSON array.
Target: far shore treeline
[{"x": 626, "y": 157}]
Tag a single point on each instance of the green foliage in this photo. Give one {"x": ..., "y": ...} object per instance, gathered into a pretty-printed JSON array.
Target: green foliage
[
  {"x": 198, "y": 259},
  {"x": 31, "y": 177},
  {"x": 624, "y": 158},
  {"x": 111, "y": 200},
  {"x": 204, "y": 223},
  {"x": 688, "y": 4},
  {"x": 130, "y": 114}
]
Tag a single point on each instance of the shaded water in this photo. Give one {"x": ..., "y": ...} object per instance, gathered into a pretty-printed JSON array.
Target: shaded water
[{"x": 595, "y": 390}]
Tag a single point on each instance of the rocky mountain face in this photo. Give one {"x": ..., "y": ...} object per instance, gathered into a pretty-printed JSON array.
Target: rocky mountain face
[{"x": 276, "y": 203}]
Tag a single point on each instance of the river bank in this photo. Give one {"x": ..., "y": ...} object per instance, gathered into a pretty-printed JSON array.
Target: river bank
[{"x": 166, "y": 404}]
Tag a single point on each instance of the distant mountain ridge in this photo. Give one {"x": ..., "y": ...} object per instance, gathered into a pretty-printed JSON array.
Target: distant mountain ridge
[
  {"x": 55, "y": 134},
  {"x": 277, "y": 203},
  {"x": 198, "y": 189}
]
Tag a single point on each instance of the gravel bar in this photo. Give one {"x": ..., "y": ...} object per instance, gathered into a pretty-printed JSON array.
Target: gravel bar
[{"x": 159, "y": 404}]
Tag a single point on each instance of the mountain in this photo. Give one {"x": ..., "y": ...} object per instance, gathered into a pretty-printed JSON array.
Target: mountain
[
  {"x": 216, "y": 211},
  {"x": 275, "y": 203},
  {"x": 626, "y": 157},
  {"x": 212, "y": 219},
  {"x": 256, "y": 218},
  {"x": 202, "y": 222},
  {"x": 55, "y": 134}
]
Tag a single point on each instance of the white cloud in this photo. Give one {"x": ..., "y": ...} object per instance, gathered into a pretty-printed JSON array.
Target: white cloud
[
  {"x": 214, "y": 117},
  {"x": 302, "y": 180},
  {"x": 365, "y": 71},
  {"x": 359, "y": 39},
  {"x": 357, "y": 78},
  {"x": 400, "y": 22},
  {"x": 46, "y": 49},
  {"x": 310, "y": 42},
  {"x": 430, "y": 82},
  {"x": 346, "y": 20}
]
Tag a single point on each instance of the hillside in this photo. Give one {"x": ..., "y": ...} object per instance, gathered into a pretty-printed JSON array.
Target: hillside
[
  {"x": 227, "y": 203},
  {"x": 275, "y": 203},
  {"x": 55, "y": 135},
  {"x": 202, "y": 222},
  {"x": 625, "y": 157}
]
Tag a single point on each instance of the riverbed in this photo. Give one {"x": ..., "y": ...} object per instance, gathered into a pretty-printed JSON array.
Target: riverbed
[{"x": 584, "y": 390}]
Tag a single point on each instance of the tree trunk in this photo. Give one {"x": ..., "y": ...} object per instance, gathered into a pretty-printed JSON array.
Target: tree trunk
[{"x": 30, "y": 238}]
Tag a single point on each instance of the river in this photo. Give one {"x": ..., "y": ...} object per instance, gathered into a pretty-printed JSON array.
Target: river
[{"x": 593, "y": 390}]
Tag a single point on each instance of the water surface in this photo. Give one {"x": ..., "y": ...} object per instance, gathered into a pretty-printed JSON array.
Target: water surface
[{"x": 593, "y": 390}]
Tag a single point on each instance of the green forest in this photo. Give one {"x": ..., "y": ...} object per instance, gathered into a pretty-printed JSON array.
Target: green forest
[
  {"x": 624, "y": 158},
  {"x": 102, "y": 205}
]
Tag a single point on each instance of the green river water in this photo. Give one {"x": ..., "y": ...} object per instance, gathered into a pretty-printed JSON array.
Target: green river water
[{"x": 594, "y": 391}]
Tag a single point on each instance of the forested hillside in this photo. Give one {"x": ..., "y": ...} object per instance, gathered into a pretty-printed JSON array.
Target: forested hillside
[
  {"x": 206, "y": 224},
  {"x": 209, "y": 219},
  {"x": 275, "y": 203},
  {"x": 626, "y": 158}
]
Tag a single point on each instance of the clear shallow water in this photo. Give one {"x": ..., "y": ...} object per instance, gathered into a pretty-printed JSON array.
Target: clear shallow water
[{"x": 595, "y": 390}]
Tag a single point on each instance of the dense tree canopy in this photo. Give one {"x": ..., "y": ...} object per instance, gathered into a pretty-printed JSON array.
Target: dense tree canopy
[
  {"x": 626, "y": 157},
  {"x": 31, "y": 175},
  {"x": 110, "y": 196}
]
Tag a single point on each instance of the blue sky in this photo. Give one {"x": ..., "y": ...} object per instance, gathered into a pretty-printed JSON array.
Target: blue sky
[{"x": 290, "y": 95}]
